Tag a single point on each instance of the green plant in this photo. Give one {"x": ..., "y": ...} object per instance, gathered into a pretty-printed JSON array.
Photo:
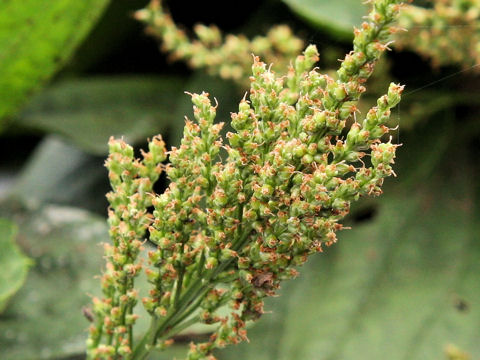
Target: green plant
[
  {"x": 31, "y": 51},
  {"x": 227, "y": 56},
  {"x": 448, "y": 33},
  {"x": 237, "y": 219},
  {"x": 14, "y": 262}
]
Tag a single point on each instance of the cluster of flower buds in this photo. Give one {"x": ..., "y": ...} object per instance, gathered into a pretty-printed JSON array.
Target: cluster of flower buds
[
  {"x": 448, "y": 33},
  {"x": 132, "y": 182},
  {"x": 238, "y": 218},
  {"x": 227, "y": 56}
]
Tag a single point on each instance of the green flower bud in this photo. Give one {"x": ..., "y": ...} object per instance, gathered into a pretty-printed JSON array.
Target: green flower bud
[
  {"x": 394, "y": 94},
  {"x": 311, "y": 55},
  {"x": 157, "y": 149},
  {"x": 383, "y": 153},
  {"x": 149, "y": 304},
  {"x": 266, "y": 190},
  {"x": 307, "y": 159},
  {"x": 227, "y": 254},
  {"x": 319, "y": 119},
  {"x": 352, "y": 136},
  {"x": 339, "y": 93},
  {"x": 300, "y": 151},
  {"x": 211, "y": 263}
]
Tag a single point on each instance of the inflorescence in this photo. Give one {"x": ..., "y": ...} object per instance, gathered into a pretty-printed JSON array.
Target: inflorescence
[
  {"x": 238, "y": 218},
  {"x": 225, "y": 55},
  {"x": 448, "y": 33}
]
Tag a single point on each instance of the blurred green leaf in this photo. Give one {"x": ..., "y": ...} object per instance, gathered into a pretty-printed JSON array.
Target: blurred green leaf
[
  {"x": 60, "y": 173},
  {"x": 337, "y": 17},
  {"x": 14, "y": 263},
  {"x": 44, "y": 319},
  {"x": 36, "y": 39},
  {"x": 89, "y": 111}
]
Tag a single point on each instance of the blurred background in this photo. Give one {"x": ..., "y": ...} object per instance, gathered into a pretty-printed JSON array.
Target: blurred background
[{"x": 403, "y": 283}]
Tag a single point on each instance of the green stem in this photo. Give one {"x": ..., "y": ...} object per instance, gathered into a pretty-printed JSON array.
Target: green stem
[
  {"x": 184, "y": 307},
  {"x": 179, "y": 317},
  {"x": 178, "y": 289},
  {"x": 99, "y": 329},
  {"x": 130, "y": 327},
  {"x": 141, "y": 350},
  {"x": 177, "y": 329}
]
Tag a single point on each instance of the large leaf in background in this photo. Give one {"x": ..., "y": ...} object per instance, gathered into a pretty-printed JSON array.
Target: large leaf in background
[
  {"x": 36, "y": 39},
  {"x": 89, "y": 111},
  {"x": 338, "y": 17},
  {"x": 14, "y": 263}
]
